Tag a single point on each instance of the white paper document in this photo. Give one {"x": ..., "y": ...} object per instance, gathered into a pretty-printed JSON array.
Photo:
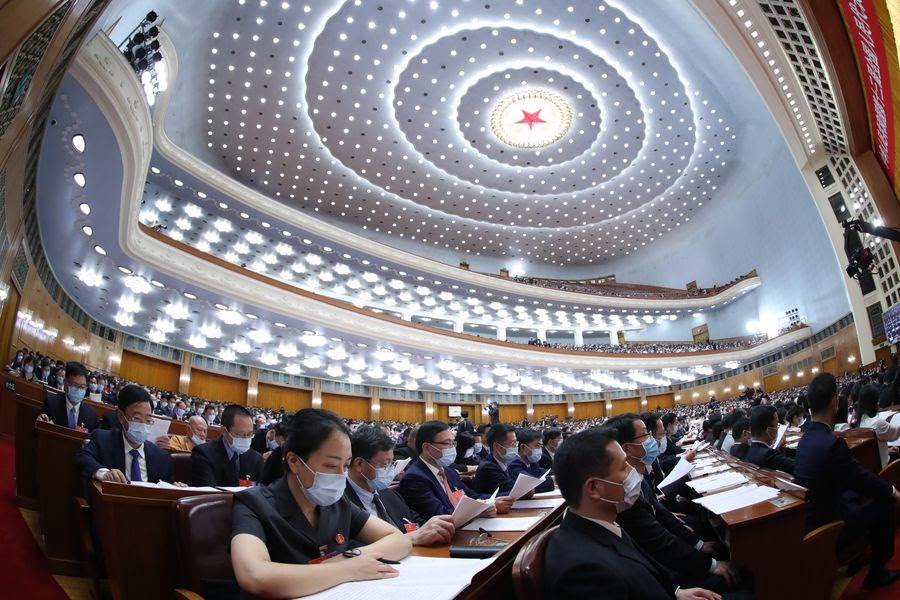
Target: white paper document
[
  {"x": 680, "y": 470},
  {"x": 886, "y": 413},
  {"x": 710, "y": 470},
  {"x": 525, "y": 483},
  {"x": 469, "y": 508},
  {"x": 539, "y": 503},
  {"x": 401, "y": 464},
  {"x": 782, "y": 429},
  {"x": 165, "y": 485},
  {"x": 96, "y": 397},
  {"x": 737, "y": 498},
  {"x": 550, "y": 494},
  {"x": 159, "y": 428},
  {"x": 714, "y": 483},
  {"x": 502, "y": 524},
  {"x": 432, "y": 578},
  {"x": 699, "y": 445},
  {"x": 705, "y": 461}
]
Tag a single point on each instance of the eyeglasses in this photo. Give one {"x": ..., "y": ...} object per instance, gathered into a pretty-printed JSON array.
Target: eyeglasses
[
  {"x": 148, "y": 421},
  {"x": 447, "y": 444}
]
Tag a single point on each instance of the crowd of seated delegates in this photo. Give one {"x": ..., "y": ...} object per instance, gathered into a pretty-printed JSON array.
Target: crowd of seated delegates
[
  {"x": 641, "y": 348},
  {"x": 625, "y": 290}
]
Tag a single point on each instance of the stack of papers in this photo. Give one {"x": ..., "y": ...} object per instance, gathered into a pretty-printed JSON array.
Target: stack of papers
[
  {"x": 502, "y": 524},
  {"x": 699, "y": 445},
  {"x": 432, "y": 578},
  {"x": 550, "y": 494},
  {"x": 705, "y": 462},
  {"x": 711, "y": 469},
  {"x": 401, "y": 464},
  {"x": 681, "y": 470},
  {"x": 539, "y": 503},
  {"x": 469, "y": 508},
  {"x": 782, "y": 429},
  {"x": 737, "y": 498},
  {"x": 715, "y": 483},
  {"x": 525, "y": 483},
  {"x": 160, "y": 428}
]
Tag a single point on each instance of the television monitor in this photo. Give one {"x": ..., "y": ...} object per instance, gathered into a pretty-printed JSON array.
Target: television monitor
[
  {"x": 454, "y": 411},
  {"x": 891, "y": 320}
]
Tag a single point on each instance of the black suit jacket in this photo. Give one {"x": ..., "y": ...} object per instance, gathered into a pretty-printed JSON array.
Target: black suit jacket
[
  {"x": 546, "y": 461},
  {"x": 825, "y": 467},
  {"x": 210, "y": 465},
  {"x": 489, "y": 476},
  {"x": 396, "y": 507},
  {"x": 465, "y": 425},
  {"x": 585, "y": 560},
  {"x": 422, "y": 492},
  {"x": 55, "y": 408},
  {"x": 517, "y": 465},
  {"x": 763, "y": 456},
  {"x": 739, "y": 451},
  {"x": 106, "y": 450}
]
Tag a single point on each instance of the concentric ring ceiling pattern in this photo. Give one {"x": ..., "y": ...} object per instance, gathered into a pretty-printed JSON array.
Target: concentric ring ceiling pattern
[{"x": 378, "y": 115}]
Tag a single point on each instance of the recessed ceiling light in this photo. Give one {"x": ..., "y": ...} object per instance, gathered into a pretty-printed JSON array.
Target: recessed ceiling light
[
  {"x": 280, "y": 324},
  {"x": 190, "y": 296},
  {"x": 156, "y": 283},
  {"x": 78, "y": 142},
  {"x": 87, "y": 230},
  {"x": 99, "y": 250},
  {"x": 79, "y": 179},
  {"x": 125, "y": 270},
  {"x": 85, "y": 208}
]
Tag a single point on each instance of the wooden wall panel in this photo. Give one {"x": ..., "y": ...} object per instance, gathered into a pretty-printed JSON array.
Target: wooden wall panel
[
  {"x": 558, "y": 409},
  {"x": 404, "y": 411},
  {"x": 662, "y": 401},
  {"x": 441, "y": 412},
  {"x": 214, "y": 386},
  {"x": 8, "y": 322},
  {"x": 512, "y": 413},
  {"x": 831, "y": 366},
  {"x": 589, "y": 410},
  {"x": 347, "y": 407},
  {"x": 278, "y": 396},
  {"x": 150, "y": 371},
  {"x": 625, "y": 405}
]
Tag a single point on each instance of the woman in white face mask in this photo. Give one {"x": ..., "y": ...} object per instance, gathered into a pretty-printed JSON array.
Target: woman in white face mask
[{"x": 282, "y": 532}]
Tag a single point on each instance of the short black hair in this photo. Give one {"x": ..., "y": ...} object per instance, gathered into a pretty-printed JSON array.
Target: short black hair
[
  {"x": 550, "y": 434},
  {"x": 585, "y": 454},
  {"x": 498, "y": 434},
  {"x": 761, "y": 418},
  {"x": 526, "y": 436},
  {"x": 74, "y": 369},
  {"x": 650, "y": 419},
  {"x": 367, "y": 441},
  {"x": 624, "y": 427},
  {"x": 132, "y": 394},
  {"x": 464, "y": 414},
  {"x": 668, "y": 419},
  {"x": 795, "y": 410},
  {"x": 427, "y": 432},
  {"x": 868, "y": 401},
  {"x": 821, "y": 391},
  {"x": 740, "y": 426},
  {"x": 464, "y": 441},
  {"x": 309, "y": 428},
  {"x": 233, "y": 411}
]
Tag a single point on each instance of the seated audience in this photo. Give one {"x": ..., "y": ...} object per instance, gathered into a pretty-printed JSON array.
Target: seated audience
[
  {"x": 369, "y": 479},
  {"x": 530, "y": 452},
  {"x": 185, "y": 443},
  {"x": 280, "y": 531},
  {"x": 67, "y": 409},
  {"x": 408, "y": 448},
  {"x": 886, "y": 430},
  {"x": 125, "y": 454},
  {"x": 465, "y": 452},
  {"x": 480, "y": 452},
  {"x": 551, "y": 439},
  {"x": 493, "y": 472},
  {"x": 842, "y": 489},
  {"x": 763, "y": 431},
  {"x": 228, "y": 460},
  {"x": 590, "y": 556},
  {"x": 741, "y": 433},
  {"x": 429, "y": 486}
]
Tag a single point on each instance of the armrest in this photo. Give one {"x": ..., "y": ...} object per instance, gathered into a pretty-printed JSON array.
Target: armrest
[{"x": 183, "y": 594}]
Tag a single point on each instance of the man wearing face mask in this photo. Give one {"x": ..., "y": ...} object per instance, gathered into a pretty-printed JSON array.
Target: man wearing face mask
[
  {"x": 125, "y": 455},
  {"x": 552, "y": 437},
  {"x": 43, "y": 376},
  {"x": 763, "y": 431},
  {"x": 185, "y": 443},
  {"x": 530, "y": 452},
  {"x": 590, "y": 555},
  {"x": 493, "y": 472},
  {"x": 429, "y": 486},
  {"x": 652, "y": 526},
  {"x": 67, "y": 409},
  {"x": 228, "y": 461},
  {"x": 368, "y": 486}
]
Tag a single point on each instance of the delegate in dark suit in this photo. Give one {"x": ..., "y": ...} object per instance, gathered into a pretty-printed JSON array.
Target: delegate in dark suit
[
  {"x": 397, "y": 510},
  {"x": 490, "y": 475},
  {"x": 422, "y": 492},
  {"x": 826, "y": 468},
  {"x": 210, "y": 465},
  {"x": 55, "y": 407},
  {"x": 106, "y": 450},
  {"x": 739, "y": 451},
  {"x": 465, "y": 425},
  {"x": 586, "y": 560},
  {"x": 762, "y": 455},
  {"x": 517, "y": 466},
  {"x": 546, "y": 461}
]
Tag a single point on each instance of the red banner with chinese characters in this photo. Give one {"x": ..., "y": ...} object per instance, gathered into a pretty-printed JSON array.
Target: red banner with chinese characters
[{"x": 862, "y": 21}]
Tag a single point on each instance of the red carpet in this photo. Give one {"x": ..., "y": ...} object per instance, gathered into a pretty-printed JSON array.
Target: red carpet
[
  {"x": 854, "y": 589},
  {"x": 23, "y": 569}
]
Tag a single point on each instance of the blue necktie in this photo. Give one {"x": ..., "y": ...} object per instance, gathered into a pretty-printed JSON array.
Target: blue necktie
[
  {"x": 72, "y": 418},
  {"x": 135, "y": 465}
]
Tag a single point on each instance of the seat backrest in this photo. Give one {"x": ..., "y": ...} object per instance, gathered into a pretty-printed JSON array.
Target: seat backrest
[
  {"x": 819, "y": 560},
  {"x": 203, "y": 525},
  {"x": 528, "y": 568},
  {"x": 181, "y": 466},
  {"x": 892, "y": 473}
]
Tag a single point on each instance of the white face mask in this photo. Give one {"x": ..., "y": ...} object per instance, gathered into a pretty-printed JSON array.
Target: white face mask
[
  {"x": 326, "y": 489},
  {"x": 478, "y": 447},
  {"x": 240, "y": 445},
  {"x": 536, "y": 454},
  {"x": 469, "y": 453},
  {"x": 632, "y": 486}
]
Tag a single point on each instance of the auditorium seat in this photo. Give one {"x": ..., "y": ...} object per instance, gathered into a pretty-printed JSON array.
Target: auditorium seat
[
  {"x": 820, "y": 560},
  {"x": 528, "y": 568},
  {"x": 203, "y": 525},
  {"x": 181, "y": 466},
  {"x": 891, "y": 473}
]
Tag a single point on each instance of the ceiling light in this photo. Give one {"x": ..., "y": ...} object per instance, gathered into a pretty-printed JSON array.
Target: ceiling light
[
  {"x": 189, "y": 296},
  {"x": 164, "y": 325},
  {"x": 124, "y": 319},
  {"x": 99, "y": 250},
  {"x": 138, "y": 285},
  {"x": 241, "y": 346},
  {"x": 193, "y": 211},
  {"x": 78, "y": 142},
  {"x": 85, "y": 208},
  {"x": 129, "y": 304},
  {"x": 312, "y": 362},
  {"x": 227, "y": 354},
  {"x": 314, "y": 340},
  {"x": 287, "y": 350},
  {"x": 89, "y": 277},
  {"x": 269, "y": 359},
  {"x": 177, "y": 311},
  {"x": 260, "y": 336},
  {"x": 79, "y": 179},
  {"x": 197, "y": 341},
  {"x": 231, "y": 317},
  {"x": 156, "y": 336},
  {"x": 211, "y": 331}
]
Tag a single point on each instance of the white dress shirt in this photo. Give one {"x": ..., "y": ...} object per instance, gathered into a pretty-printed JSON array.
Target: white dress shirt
[{"x": 885, "y": 431}]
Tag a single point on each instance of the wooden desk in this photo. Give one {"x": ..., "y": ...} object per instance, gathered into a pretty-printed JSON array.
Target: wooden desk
[
  {"x": 56, "y": 473},
  {"x": 137, "y": 533},
  {"x": 495, "y": 580},
  {"x": 27, "y": 411},
  {"x": 763, "y": 538}
]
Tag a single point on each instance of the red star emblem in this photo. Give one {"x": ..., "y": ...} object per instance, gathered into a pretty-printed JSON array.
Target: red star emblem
[{"x": 531, "y": 118}]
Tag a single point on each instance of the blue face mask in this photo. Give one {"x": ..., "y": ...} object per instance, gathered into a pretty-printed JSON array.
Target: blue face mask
[
  {"x": 536, "y": 454},
  {"x": 509, "y": 454},
  {"x": 326, "y": 489},
  {"x": 240, "y": 445},
  {"x": 651, "y": 449},
  {"x": 197, "y": 439},
  {"x": 447, "y": 457},
  {"x": 137, "y": 432},
  {"x": 383, "y": 478},
  {"x": 272, "y": 444},
  {"x": 478, "y": 447},
  {"x": 75, "y": 395}
]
